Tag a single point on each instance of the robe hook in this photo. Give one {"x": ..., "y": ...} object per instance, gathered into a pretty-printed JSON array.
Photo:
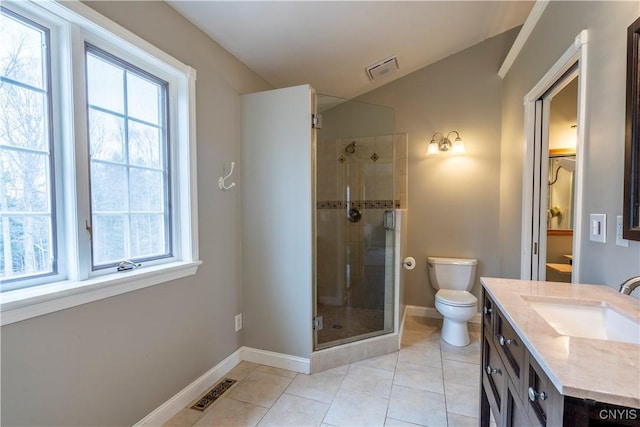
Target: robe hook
[{"x": 222, "y": 180}]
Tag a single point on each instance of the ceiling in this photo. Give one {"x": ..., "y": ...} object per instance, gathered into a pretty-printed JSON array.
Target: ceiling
[{"x": 329, "y": 44}]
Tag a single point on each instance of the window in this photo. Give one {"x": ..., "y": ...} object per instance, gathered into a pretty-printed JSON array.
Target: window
[
  {"x": 28, "y": 235},
  {"x": 129, "y": 169},
  {"x": 97, "y": 160}
]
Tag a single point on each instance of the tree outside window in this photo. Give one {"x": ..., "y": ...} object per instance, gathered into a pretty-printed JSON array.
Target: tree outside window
[{"x": 27, "y": 237}]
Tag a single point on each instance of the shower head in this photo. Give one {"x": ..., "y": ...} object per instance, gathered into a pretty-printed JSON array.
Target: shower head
[
  {"x": 351, "y": 148},
  {"x": 566, "y": 163}
]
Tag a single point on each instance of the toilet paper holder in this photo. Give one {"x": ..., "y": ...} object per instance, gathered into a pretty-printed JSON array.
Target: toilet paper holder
[{"x": 409, "y": 263}]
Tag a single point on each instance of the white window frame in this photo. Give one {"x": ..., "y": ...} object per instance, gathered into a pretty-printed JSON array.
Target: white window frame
[
  {"x": 130, "y": 59},
  {"x": 57, "y": 243},
  {"x": 71, "y": 24}
]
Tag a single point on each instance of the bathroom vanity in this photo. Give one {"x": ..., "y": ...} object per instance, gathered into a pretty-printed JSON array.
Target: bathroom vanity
[{"x": 558, "y": 354}]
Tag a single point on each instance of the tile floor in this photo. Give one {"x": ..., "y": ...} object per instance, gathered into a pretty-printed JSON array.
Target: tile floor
[{"x": 427, "y": 383}]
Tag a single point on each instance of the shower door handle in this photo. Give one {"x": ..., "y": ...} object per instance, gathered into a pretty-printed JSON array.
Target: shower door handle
[{"x": 389, "y": 220}]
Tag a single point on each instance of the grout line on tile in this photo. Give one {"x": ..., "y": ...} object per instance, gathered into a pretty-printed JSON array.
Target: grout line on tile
[
  {"x": 446, "y": 409},
  {"x": 350, "y": 367},
  {"x": 336, "y": 393}
]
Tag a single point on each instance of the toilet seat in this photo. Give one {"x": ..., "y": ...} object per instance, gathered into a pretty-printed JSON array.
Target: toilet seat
[{"x": 456, "y": 298}]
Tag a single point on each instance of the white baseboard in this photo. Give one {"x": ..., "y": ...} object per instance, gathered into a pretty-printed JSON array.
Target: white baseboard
[
  {"x": 419, "y": 311},
  {"x": 168, "y": 409},
  {"x": 432, "y": 313},
  {"x": 276, "y": 360},
  {"x": 401, "y": 328}
]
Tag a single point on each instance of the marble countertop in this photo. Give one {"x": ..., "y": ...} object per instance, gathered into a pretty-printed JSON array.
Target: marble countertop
[{"x": 601, "y": 370}]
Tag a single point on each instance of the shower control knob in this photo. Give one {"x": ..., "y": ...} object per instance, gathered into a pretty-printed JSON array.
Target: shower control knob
[{"x": 354, "y": 215}]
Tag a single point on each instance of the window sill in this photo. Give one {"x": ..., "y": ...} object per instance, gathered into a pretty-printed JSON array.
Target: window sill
[{"x": 24, "y": 304}]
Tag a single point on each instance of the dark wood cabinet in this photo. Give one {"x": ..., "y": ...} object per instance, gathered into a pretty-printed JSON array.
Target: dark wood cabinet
[
  {"x": 487, "y": 312},
  {"x": 494, "y": 376},
  {"x": 511, "y": 349},
  {"x": 516, "y": 390},
  {"x": 515, "y": 412},
  {"x": 544, "y": 402}
]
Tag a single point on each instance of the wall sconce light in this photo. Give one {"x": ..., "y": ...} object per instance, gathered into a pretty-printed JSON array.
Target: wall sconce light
[{"x": 442, "y": 143}]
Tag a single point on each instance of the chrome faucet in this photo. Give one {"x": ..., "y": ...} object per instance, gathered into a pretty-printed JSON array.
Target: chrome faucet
[{"x": 629, "y": 285}]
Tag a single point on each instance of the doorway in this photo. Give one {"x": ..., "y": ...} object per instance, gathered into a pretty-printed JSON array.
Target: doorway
[
  {"x": 557, "y": 162},
  {"x": 553, "y": 176}
]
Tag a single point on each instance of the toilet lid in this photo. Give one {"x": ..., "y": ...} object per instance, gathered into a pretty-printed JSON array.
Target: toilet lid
[{"x": 456, "y": 298}]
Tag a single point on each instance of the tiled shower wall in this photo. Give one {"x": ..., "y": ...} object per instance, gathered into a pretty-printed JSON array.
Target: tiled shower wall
[{"x": 372, "y": 179}]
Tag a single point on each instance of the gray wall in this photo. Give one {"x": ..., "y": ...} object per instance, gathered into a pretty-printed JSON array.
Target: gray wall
[
  {"x": 277, "y": 214},
  {"x": 453, "y": 200},
  {"x": 113, "y": 361},
  {"x": 607, "y": 22},
  {"x": 353, "y": 119}
]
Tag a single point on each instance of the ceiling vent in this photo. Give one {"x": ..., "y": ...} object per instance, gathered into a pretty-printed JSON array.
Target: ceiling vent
[{"x": 384, "y": 68}]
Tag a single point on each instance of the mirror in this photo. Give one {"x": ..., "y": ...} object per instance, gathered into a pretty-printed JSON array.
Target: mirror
[
  {"x": 631, "y": 213},
  {"x": 560, "y": 213},
  {"x": 562, "y": 165}
]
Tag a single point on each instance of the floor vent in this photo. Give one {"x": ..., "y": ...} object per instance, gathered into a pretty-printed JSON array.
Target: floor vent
[{"x": 213, "y": 394}]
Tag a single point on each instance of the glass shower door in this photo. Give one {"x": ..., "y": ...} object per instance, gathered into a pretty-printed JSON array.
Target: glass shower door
[{"x": 354, "y": 229}]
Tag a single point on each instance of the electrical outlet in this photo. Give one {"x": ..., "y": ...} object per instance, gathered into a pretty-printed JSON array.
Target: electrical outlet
[
  {"x": 619, "y": 240},
  {"x": 238, "y": 322}
]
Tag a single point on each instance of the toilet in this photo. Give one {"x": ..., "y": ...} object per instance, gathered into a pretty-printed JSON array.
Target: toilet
[{"x": 454, "y": 278}]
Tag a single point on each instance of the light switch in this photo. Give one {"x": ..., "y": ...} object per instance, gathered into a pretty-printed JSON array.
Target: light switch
[{"x": 598, "y": 229}]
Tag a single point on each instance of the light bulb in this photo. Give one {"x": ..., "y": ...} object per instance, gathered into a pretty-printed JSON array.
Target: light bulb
[
  {"x": 432, "y": 148},
  {"x": 458, "y": 146}
]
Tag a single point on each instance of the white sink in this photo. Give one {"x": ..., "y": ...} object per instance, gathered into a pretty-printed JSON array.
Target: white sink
[{"x": 589, "y": 319}]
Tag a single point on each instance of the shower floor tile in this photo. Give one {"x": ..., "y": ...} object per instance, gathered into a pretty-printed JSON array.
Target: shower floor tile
[
  {"x": 428, "y": 382},
  {"x": 343, "y": 322}
]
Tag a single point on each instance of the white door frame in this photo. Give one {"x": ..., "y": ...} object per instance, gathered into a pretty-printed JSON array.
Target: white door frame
[{"x": 577, "y": 52}]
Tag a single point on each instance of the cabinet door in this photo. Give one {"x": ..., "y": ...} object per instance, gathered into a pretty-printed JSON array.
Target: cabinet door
[
  {"x": 510, "y": 348},
  {"x": 494, "y": 377},
  {"x": 487, "y": 311},
  {"x": 515, "y": 412},
  {"x": 544, "y": 402}
]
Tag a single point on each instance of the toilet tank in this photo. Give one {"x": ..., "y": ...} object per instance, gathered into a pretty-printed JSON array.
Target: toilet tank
[{"x": 452, "y": 273}]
